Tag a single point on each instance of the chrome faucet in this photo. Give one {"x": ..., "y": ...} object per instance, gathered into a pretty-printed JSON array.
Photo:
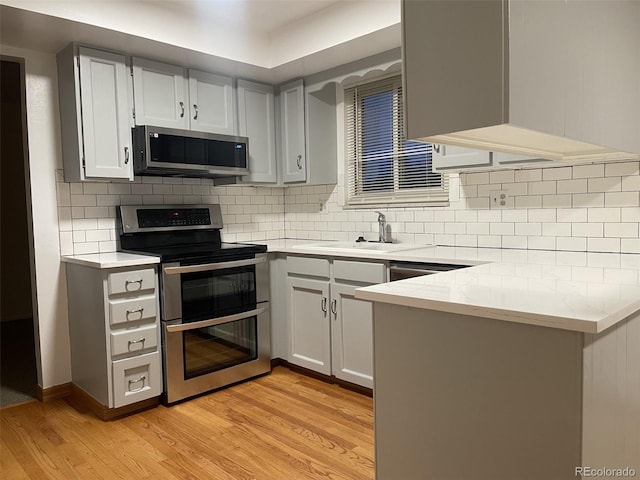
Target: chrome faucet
[{"x": 382, "y": 228}]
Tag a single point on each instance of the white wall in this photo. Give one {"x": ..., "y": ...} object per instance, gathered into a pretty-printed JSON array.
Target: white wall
[{"x": 50, "y": 305}]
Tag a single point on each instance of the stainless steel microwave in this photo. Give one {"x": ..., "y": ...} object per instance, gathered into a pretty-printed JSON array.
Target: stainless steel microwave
[{"x": 173, "y": 152}]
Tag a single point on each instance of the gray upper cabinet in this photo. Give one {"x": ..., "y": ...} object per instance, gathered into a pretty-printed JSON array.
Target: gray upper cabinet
[
  {"x": 294, "y": 156},
  {"x": 308, "y": 133},
  {"x": 482, "y": 75},
  {"x": 94, "y": 114},
  {"x": 256, "y": 120},
  {"x": 160, "y": 94},
  {"x": 211, "y": 103}
]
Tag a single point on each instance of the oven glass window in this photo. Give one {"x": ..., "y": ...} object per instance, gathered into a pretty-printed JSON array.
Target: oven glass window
[
  {"x": 213, "y": 294},
  {"x": 210, "y": 349}
]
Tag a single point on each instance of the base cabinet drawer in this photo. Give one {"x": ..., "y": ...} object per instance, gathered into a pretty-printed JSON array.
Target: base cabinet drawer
[
  {"x": 136, "y": 379},
  {"x": 135, "y": 340},
  {"x": 131, "y": 281},
  {"x": 135, "y": 310}
]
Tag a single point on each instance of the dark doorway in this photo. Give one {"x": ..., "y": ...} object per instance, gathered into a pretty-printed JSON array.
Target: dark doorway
[{"x": 18, "y": 376}]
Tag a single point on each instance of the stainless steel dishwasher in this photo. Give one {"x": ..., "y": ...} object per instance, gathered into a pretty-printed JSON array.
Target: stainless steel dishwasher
[{"x": 402, "y": 270}]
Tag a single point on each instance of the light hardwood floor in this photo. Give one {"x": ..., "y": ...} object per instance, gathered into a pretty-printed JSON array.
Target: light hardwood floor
[{"x": 279, "y": 427}]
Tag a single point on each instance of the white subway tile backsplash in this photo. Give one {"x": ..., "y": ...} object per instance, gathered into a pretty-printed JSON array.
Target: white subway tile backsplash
[
  {"x": 620, "y": 230},
  {"x": 603, "y": 245},
  {"x": 587, "y": 229},
  {"x": 571, "y": 186},
  {"x": 561, "y": 173},
  {"x": 603, "y": 215},
  {"x": 580, "y": 208},
  {"x": 588, "y": 200},
  {"x": 533, "y": 175},
  {"x": 588, "y": 171},
  {"x": 621, "y": 169},
  {"x": 621, "y": 199}
]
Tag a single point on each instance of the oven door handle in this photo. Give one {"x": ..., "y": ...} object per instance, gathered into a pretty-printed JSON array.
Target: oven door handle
[
  {"x": 213, "y": 266},
  {"x": 215, "y": 321}
]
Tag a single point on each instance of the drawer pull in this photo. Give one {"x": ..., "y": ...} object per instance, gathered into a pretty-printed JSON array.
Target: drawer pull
[
  {"x": 129, "y": 282},
  {"x": 137, "y": 310},
  {"x": 138, "y": 380},
  {"x": 140, "y": 340}
]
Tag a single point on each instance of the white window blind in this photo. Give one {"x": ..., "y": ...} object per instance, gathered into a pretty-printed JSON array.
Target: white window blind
[{"x": 382, "y": 166}]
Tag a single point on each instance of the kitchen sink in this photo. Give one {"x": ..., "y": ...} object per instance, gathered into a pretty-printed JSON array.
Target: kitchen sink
[{"x": 363, "y": 246}]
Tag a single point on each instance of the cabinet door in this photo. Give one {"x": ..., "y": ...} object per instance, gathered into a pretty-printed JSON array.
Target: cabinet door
[
  {"x": 452, "y": 158},
  {"x": 105, "y": 114},
  {"x": 308, "y": 314},
  {"x": 211, "y": 103},
  {"x": 351, "y": 336},
  {"x": 292, "y": 122},
  {"x": 160, "y": 94},
  {"x": 256, "y": 120}
]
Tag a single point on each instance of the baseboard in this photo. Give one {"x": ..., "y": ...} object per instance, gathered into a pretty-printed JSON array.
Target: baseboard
[
  {"x": 85, "y": 403},
  {"x": 51, "y": 394},
  {"x": 322, "y": 377}
]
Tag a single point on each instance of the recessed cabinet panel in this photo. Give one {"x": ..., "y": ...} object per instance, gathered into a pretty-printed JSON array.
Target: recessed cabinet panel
[
  {"x": 136, "y": 379},
  {"x": 309, "y": 336},
  {"x": 106, "y": 133},
  {"x": 211, "y": 103},
  {"x": 256, "y": 119},
  {"x": 352, "y": 336},
  {"x": 293, "y": 130},
  {"x": 160, "y": 94}
]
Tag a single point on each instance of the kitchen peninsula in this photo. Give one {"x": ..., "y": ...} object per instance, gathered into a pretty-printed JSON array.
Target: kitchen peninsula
[{"x": 524, "y": 368}]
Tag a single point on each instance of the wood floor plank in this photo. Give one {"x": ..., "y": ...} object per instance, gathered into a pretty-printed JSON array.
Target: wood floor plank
[{"x": 278, "y": 427}]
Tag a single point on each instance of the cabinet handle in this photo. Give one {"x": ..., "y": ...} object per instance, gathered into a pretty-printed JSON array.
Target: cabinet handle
[
  {"x": 436, "y": 147},
  {"x": 129, "y": 282},
  {"x": 126, "y": 155},
  {"x": 195, "y": 107},
  {"x": 182, "y": 108},
  {"x": 137, "y": 380},
  {"x": 298, "y": 162},
  {"x": 334, "y": 308},
  {"x": 323, "y": 305},
  {"x": 137, "y": 310},
  {"x": 140, "y": 340}
]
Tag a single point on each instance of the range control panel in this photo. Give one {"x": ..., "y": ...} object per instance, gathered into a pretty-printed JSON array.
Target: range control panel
[
  {"x": 169, "y": 217},
  {"x": 180, "y": 217}
]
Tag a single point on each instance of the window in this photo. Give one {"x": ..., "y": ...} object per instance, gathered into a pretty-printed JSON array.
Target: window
[{"x": 382, "y": 166}]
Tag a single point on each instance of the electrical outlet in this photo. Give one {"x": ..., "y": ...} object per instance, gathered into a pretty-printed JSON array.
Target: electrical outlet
[{"x": 500, "y": 199}]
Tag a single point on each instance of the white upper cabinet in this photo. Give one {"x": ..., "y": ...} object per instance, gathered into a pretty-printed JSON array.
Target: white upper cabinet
[
  {"x": 550, "y": 79},
  {"x": 293, "y": 129},
  {"x": 256, "y": 120},
  {"x": 94, "y": 113},
  {"x": 160, "y": 94},
  {"x": 211, "y": 103}
]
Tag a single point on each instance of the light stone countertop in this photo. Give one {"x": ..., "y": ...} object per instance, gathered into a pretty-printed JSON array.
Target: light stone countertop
[
  {"x": 578, "y": 291},
  {"x": 111, "y": 259}
]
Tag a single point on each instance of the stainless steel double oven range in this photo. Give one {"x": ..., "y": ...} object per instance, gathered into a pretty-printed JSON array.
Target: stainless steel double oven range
[{"x": 213, "y": 297}]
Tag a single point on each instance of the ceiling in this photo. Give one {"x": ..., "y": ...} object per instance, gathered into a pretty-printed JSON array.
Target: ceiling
[
  {"x": 265, "y": 16},
  {"x": 269, "y": 40}
]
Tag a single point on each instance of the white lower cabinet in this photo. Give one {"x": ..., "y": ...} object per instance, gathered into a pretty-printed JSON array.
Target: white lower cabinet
[
  {"x": 310, "y": 335},
  {"x": 330, "y": 331},
  {"x": 114, "y": 333},
  {"x": 351, "y": 336}
]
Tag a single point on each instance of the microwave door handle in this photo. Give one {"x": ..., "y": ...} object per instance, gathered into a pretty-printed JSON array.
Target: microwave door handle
[
  {"x": 215, "y": 321},
  {"x": 212, "y": 266}
]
